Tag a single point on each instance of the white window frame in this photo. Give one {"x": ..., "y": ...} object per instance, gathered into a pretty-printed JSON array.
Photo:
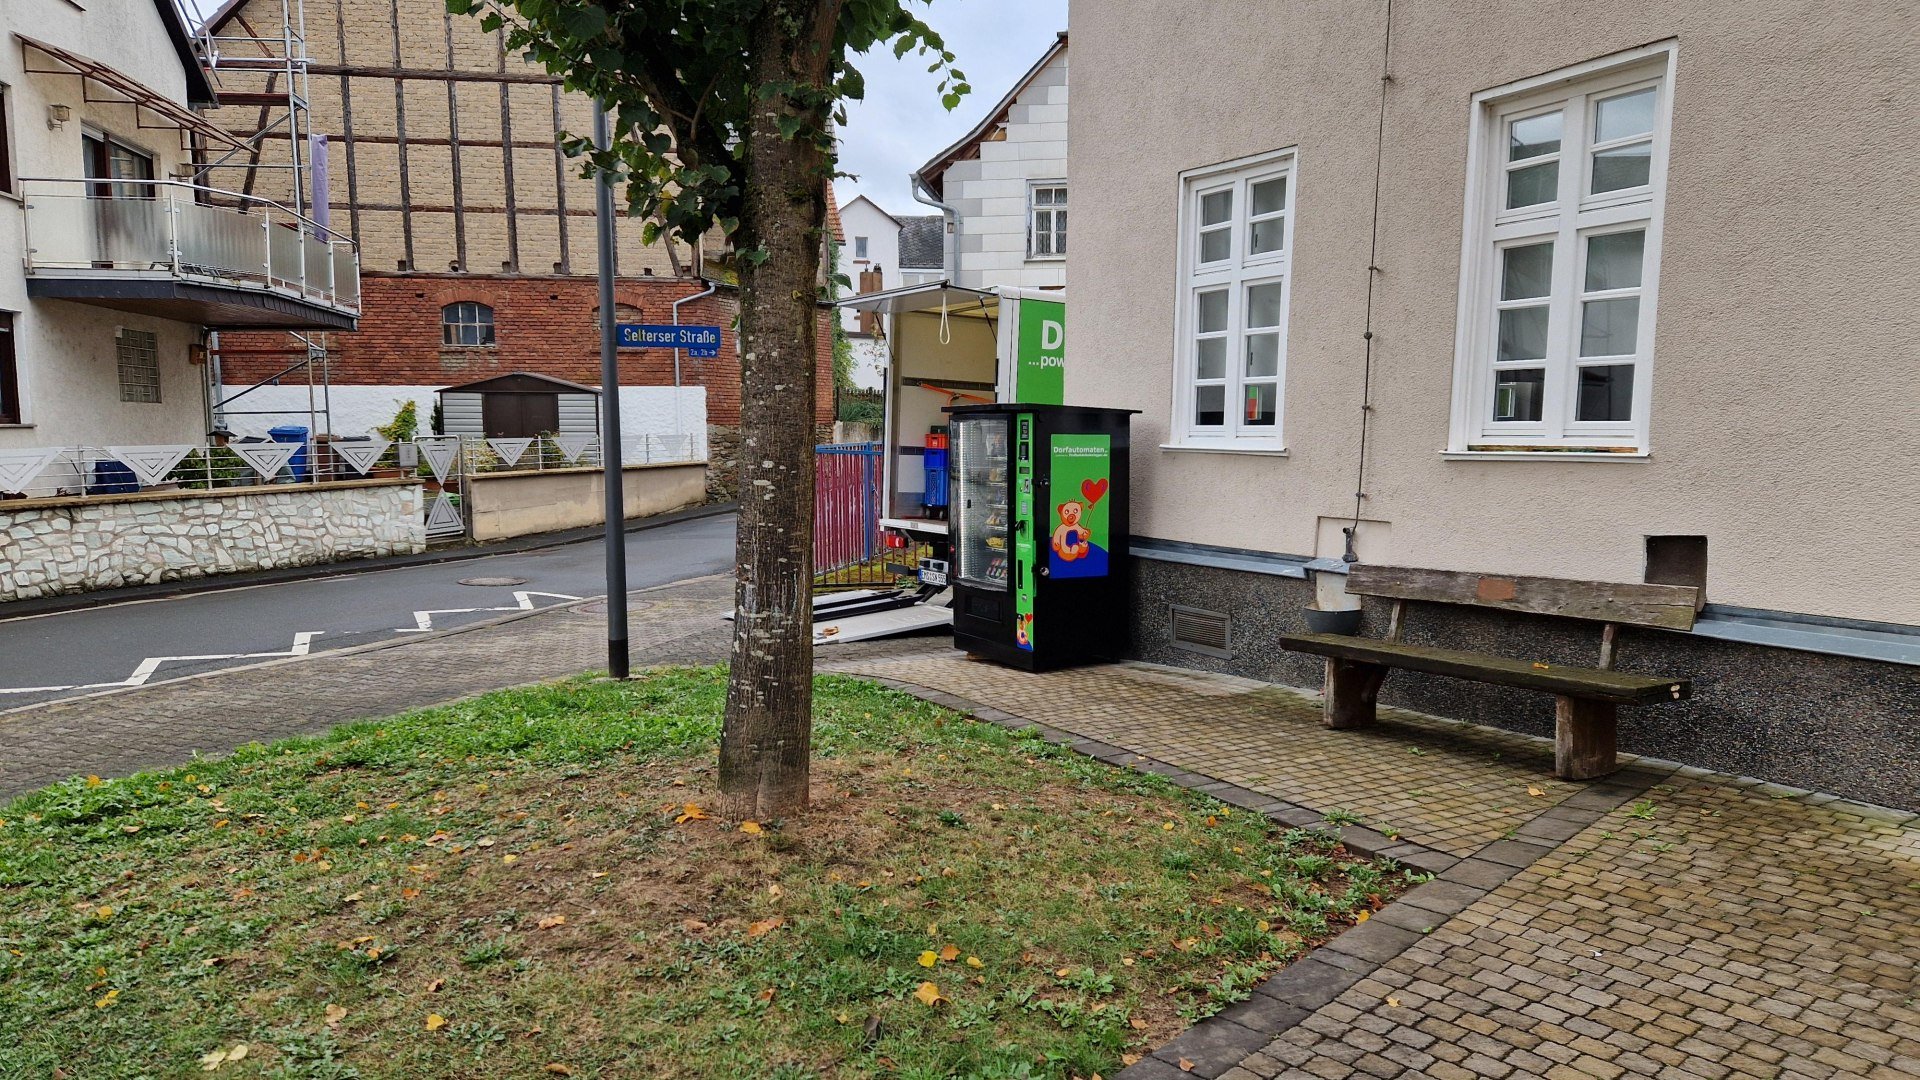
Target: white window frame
[
  {"x": 1238, "y": 273},
  {"x": 1569, "y": 222},
  {"x": 860, "y": 249},
  {"x": 1033, "y": 216}
]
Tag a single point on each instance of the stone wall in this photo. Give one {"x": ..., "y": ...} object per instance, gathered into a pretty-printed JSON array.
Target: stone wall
[{"x": 69, "y": 545}]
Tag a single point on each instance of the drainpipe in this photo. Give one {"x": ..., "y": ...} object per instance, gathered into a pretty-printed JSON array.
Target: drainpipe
[
  {"x": 949, "y": 248},
  {"x": 710, "y": 290}
]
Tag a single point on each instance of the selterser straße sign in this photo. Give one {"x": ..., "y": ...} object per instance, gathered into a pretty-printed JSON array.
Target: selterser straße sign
[{"x": 703, "y": 341}]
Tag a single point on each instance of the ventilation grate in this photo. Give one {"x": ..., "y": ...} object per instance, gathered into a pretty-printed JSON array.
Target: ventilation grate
[{"x": 1196, "y": 630}]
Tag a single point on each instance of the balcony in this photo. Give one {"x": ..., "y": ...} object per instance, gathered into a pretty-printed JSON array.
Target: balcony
[{"x": 195, "y": 254}]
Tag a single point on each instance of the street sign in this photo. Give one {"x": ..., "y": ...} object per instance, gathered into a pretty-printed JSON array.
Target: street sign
[{"x": 699, "y": 341}]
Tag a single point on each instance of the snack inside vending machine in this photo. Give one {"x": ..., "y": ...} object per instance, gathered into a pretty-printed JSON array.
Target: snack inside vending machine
[{"x": 1039, "y": 527}]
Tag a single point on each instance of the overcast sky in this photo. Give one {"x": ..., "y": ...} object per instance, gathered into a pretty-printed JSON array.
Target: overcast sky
[{"x": 901, "y": 123}]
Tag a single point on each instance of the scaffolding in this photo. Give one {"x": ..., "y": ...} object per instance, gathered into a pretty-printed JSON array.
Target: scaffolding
[{"x": 263, "y": 66}]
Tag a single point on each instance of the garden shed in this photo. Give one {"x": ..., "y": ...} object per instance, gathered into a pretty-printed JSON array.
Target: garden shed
[{"x": 519, "y": 405}]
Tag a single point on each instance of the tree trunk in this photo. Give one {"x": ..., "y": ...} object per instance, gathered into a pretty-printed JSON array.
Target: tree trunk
[{"x": 767, "y": 736}]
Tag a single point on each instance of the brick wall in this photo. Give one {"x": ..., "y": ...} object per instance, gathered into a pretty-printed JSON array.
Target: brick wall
[{"x": 545, "y": 325}]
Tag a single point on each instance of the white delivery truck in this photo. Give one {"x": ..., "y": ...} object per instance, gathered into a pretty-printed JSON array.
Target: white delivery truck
[{"x": 946, "y": 345}]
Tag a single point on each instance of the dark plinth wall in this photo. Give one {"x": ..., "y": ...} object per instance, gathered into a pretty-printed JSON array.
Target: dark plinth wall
[{"x": 1836, "y": 724}]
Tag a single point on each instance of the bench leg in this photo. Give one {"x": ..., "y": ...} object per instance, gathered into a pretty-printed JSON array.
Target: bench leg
[
  {"x": 1583, "y": 738},
  {"x": 1352, "y": 690}
]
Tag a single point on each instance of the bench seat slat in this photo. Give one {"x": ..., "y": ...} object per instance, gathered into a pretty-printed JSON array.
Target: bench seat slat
[{"x": 1618, "y": 687}]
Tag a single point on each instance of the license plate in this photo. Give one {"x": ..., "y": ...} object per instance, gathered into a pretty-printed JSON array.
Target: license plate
[{"x": 933, "y": 577}]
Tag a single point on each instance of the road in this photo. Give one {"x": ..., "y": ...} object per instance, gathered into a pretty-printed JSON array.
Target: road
[{"x": 143, "y": 642}]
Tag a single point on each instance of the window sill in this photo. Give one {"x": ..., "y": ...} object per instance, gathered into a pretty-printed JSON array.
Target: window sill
[
  {"x": 1047, "y": 258},
  {"x": 1546, "y": 455},
  {"x": 1203, "y": 448},
  {"x": 12, "y": 196},
  {"x": 18, "y": 427}
]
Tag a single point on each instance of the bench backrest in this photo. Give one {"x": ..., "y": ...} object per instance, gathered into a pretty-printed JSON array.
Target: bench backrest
[{"x": 1670, "y": 607}]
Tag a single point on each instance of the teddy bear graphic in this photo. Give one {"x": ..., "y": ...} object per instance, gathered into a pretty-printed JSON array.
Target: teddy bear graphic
[{"x": 1071, "y": 540}]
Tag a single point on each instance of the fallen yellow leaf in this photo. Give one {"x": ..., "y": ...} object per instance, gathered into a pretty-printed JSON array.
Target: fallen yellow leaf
[
  {"x": 94, "y": 781},
  {"x": 692, "y": 812},
  {"x": 928, "y": 995},
  {"x": 950, "y": 953},
  {"x": 1263, "y": 926},
  {"x": 103, "y": 912},
  {"x": 435, "y": 1021},
  {"x": 557, "y": 1069},
  {"x": 975, "y": 962},
  {"x": 109, "y": 998},
  {"x": 1063, "y": 973},
  {"x": 1536, "y": 792},
  {"x": 841, "y": 1017},
  {"x": 765, "y": 926},
  {"x": 509, "y": 858},
  {"x": 1392, "y": 1002},
  {"x": 928, "y": 959},
  {"x": 1137, "y": 1024},
  {"x": 433, "y": 986},
  {"x": 1185, "y": 1065},
  {"x": 334, "y": 1014},
  {"x": 550, "y": 921},
  {"x": 1363, "y": 916},
  {"x": 1168, "y": 826},
  {"x": 751, "y": 828}
]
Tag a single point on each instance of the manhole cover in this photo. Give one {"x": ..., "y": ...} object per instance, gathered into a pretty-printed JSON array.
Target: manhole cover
[{"x": 493, "y": 581}]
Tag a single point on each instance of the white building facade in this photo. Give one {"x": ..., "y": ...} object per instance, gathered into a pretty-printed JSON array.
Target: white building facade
[
  {"x": 114, "y": 265},
  {"x": 1003, "y": 188}
]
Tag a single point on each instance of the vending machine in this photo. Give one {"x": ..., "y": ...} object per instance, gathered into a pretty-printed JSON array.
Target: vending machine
[{"x": 1039, "y": 519}]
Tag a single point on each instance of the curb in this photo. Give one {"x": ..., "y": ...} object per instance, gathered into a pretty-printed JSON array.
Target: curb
[
  {"x": 65, "y": 602},
  {"x": 1218, "y": 1044}
]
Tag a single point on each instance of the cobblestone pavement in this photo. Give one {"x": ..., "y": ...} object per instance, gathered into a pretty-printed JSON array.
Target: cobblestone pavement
[
  {"x": 120, "y": 732},
  {"x": 1668, "y": 923},
  {"x": 1665, "y": 922}
]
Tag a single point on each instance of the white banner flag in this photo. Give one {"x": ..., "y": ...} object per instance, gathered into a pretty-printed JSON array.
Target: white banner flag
[
  {"x": 361, "y": 455},
  {"x": 510, "y": 450},
  {"x": 19, "y": 468},
  {"x": 268, "y": 458},
  {"x": 150, "y": 464}
]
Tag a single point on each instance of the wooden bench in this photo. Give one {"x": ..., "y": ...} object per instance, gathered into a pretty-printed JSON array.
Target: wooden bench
[{"x": 1585, "y": 698}]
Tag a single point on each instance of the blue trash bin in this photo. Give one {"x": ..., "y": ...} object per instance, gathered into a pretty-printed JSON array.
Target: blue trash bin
[
  {"x": 290, "y": 434},
  {"x": 112, "y": 478}
]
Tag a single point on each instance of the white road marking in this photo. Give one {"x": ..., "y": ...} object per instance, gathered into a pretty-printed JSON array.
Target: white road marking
[
  {"x": 302, "y": 645},
  {"x": 523, "y": 601}
]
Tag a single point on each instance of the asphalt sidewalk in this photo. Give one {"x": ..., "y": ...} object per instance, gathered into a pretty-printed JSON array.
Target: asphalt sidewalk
[{"x": 1665, "y": 922}]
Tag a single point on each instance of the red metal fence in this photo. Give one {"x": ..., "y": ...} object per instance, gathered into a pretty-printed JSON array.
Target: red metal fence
[{"x": 846, "y": 515}]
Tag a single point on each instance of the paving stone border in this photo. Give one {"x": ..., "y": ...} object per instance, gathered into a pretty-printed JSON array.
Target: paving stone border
[{"x": 1214, "y": 1048}]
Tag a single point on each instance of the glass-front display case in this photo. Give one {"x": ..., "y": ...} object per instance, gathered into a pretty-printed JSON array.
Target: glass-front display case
[{"x": 979, "y": 501}]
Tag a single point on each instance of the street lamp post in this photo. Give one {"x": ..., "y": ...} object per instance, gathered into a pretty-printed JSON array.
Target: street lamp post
[{"x": 610, "y": 415}]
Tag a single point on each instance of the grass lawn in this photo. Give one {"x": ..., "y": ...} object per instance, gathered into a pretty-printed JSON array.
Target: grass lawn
[{"x": 518, "y": 886}]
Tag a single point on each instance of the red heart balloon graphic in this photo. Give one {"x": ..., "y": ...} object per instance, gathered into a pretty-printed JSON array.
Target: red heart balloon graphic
[{"x": 1094, "y": 490}]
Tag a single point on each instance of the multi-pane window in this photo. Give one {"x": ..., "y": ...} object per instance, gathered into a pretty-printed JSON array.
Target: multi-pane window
[
  {"x": 466, "y": 323},
  {"x": 1561, "y": 261},
  {"x": 859, "y": 247},
  {"x": 137, "y": 353},
  {"x": 1047, "y": 221},
  {"x": 1231, "y": 324}
]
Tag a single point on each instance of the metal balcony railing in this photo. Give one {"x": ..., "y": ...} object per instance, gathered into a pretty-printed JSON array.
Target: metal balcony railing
[{"x": 110, "y": 228}]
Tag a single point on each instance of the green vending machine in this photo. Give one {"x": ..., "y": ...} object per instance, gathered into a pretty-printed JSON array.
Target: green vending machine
[{"x": 1039, "y": 530}]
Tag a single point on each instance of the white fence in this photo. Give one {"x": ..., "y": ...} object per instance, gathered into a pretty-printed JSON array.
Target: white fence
[{"x": 440, "y": 461}]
